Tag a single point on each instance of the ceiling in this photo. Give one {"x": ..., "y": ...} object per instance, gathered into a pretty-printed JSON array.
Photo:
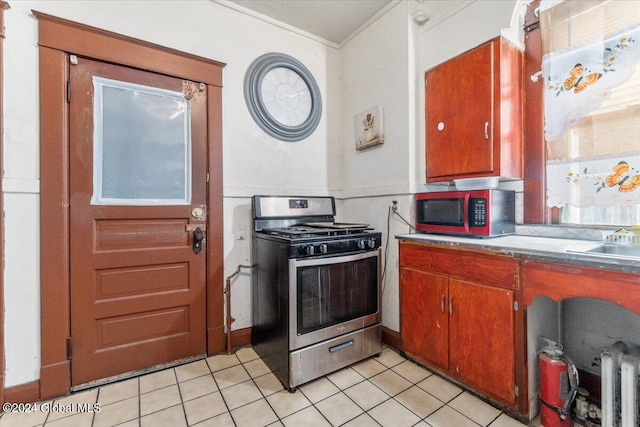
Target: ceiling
[{"x": 332, "y": 20}]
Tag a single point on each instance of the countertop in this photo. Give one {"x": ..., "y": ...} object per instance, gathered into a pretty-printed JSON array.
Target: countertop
[{"x": 549, "y": 249}]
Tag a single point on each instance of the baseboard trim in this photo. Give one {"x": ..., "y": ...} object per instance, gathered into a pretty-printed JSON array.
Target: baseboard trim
[
  {"x": 392, "y": 338},
  {"x": 23, "y": 393},
  {"x": 241, "y": 337}
]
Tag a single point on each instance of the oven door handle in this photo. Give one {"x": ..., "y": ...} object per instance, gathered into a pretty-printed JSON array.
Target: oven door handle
[{"x": 340, "y": 346}]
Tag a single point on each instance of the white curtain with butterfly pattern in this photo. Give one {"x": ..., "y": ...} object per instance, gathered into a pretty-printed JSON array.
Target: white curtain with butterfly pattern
[{"x": 592, "y": 102}]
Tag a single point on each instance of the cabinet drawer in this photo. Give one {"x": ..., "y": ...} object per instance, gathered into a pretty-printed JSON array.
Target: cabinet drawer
[{"x": 493, "y": 270}]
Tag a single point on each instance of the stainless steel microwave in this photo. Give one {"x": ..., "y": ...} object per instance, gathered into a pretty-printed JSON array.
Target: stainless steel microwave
[{"x": 483, "y": 213}]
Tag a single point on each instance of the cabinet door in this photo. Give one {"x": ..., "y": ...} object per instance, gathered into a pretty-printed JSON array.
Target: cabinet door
[
  {"x": 459, "y": 115},
  {"x": 425, "y": 323},
  {"x": 482, "y": 337}
]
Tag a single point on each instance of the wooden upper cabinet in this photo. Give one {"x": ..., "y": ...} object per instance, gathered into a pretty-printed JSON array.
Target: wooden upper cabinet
[{"x": 473, "y": 114}]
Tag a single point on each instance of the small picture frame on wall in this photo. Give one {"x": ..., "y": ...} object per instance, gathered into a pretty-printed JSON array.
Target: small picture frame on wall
[{"x": 369, "y": 128}]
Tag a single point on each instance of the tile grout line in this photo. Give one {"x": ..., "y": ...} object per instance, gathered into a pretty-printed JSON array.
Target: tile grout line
[
  {"x": 184, "y": 410},
  {"x": 220, "y": 390}
]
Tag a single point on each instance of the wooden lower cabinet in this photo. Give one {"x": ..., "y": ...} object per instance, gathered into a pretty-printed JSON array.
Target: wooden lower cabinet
[
  {"x": 425, "y": 321},
  {"x": 458, "y": 315}
]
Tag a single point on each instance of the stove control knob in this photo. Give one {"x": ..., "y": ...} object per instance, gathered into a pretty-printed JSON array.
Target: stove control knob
[
  {"x": 372, "y": 243},
  {"x": 311, "y": 250},
  {"x": 362, "y": 244},
  {"x": 324, "y": 248}
]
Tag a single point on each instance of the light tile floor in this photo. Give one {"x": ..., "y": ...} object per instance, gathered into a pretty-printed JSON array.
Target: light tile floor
[{"x": 239, "y": 390}]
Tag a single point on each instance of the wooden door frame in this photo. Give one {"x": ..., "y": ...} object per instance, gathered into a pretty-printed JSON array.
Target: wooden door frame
[{"x": 59, "y": 38}]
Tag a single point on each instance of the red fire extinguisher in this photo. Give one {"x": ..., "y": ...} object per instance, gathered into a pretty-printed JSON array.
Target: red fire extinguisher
[{"x": 558, "y": 386}]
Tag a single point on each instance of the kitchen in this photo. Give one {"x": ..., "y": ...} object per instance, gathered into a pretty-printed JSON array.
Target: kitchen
[{"x": 382, "y": 65}]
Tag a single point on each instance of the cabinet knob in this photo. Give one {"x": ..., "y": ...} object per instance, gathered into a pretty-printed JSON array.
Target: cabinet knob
[
  {"x": 440, "y": 126},
  {"x": 486, "y": 130}
]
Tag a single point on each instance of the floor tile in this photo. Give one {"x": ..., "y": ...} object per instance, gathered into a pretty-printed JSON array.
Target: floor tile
[
  {"x": 257, "y": 368},
  {"x": 390, "y": 358},
  {"x": 393, "y": 414},
  {"x": 366, "y": 395},
  {"x": 119, "y": 391},
  {"x": 338, "y": 409},
  {"x": 170, "y": 417},
  {"x": 419, "y": 401},
  {"x": 319, "y": 389},
  {"x": 222, "y": 420},
  {"x": 241, "y": 394},
  {"x": 285, "y": 403},
  {"x": 132, "y": 423},
  {"x": 192, "y": 370},
  {"x": 369, "y": 368},
  {"x": 268, "y": 384},
  {"x": 246, "y": 354},
  {"x": 203, "y": 393},
  {"x": 390, "y": 382},
  {"x": 222, "y": 361},
  {"x": 157, "y": 380},
  {"x": 506, "y": 421},
  {"x": 159, "y": 399},
  {"x": 449, "y": 417},
  {"x": 68, "y": 405},
  {"x": 231, "y": 376},
  {"x": 82, "y": 419},
  {"x": 307, "y": 417},
  {"x": 118, "y": 412},
  {"x": 256, "y": 414},
  {"x": 197, "y": 387},
  {"x": 474, "y": 408},
  {"x": 440, "y": 388},
  {"x": 412, "y": 371},
  {"x": 345, "y": 378},
  {"x": 363, "y": 420},
  {"x": 204, "y": 407},
  {"x": 22, "y": 419}
]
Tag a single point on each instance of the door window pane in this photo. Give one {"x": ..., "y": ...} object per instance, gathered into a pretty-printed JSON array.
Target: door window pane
[{"x": 142, "y": 145}]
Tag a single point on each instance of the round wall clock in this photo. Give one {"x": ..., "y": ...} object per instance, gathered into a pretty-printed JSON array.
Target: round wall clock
[{"x": 283, "y": 97}]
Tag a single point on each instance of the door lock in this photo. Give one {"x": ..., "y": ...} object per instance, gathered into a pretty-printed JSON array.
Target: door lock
[{"x": 198, "y": 238}]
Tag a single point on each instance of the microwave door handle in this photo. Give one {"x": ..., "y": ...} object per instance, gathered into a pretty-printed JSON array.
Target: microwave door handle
[{"x": 465, "y": 212}]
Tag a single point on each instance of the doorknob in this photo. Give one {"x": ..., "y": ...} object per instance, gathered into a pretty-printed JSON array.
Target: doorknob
[{"x": 198, "y": 237}]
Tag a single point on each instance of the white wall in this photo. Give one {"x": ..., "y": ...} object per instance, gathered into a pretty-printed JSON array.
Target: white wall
[
  {"x": 253, "y": 161},
  {"x": 382, "y": 65}
]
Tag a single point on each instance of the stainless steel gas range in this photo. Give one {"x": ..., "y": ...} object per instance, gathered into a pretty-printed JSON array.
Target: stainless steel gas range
[{"x": 316, "y": 288}]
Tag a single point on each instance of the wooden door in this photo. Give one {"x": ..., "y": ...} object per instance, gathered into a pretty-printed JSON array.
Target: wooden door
[
  {"x": 459, "y": 115},
  {"x": 425, "y": 323},
  {"x": 482, "y": 337},
  {"x": 137, "y": 286}
]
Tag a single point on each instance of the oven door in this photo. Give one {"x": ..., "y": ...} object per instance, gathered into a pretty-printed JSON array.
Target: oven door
[{"x": 331, "y": 296}]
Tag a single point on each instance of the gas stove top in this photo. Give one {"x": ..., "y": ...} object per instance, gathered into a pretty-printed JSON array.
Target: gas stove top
[
  {"x": 306, "y": 225},
  {"x": 317, "y": 230}
]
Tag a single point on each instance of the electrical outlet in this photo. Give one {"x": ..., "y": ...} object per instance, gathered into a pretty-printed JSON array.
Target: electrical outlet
[{"x": 394, "y": 205}]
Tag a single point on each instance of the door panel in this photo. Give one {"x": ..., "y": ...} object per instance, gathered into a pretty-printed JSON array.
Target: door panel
[
  {"x": 138, "y": 295},
  {"x": 482, "y": 323},
  {"x": 425, "y": 321}
]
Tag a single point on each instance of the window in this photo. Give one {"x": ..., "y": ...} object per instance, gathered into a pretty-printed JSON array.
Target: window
[
  {"x": 142, "y": 145},
  {"x": 592, "y": 109}
]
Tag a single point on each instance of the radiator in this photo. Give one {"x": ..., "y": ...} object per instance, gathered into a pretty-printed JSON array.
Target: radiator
[{"x": 620, "y": 392}]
